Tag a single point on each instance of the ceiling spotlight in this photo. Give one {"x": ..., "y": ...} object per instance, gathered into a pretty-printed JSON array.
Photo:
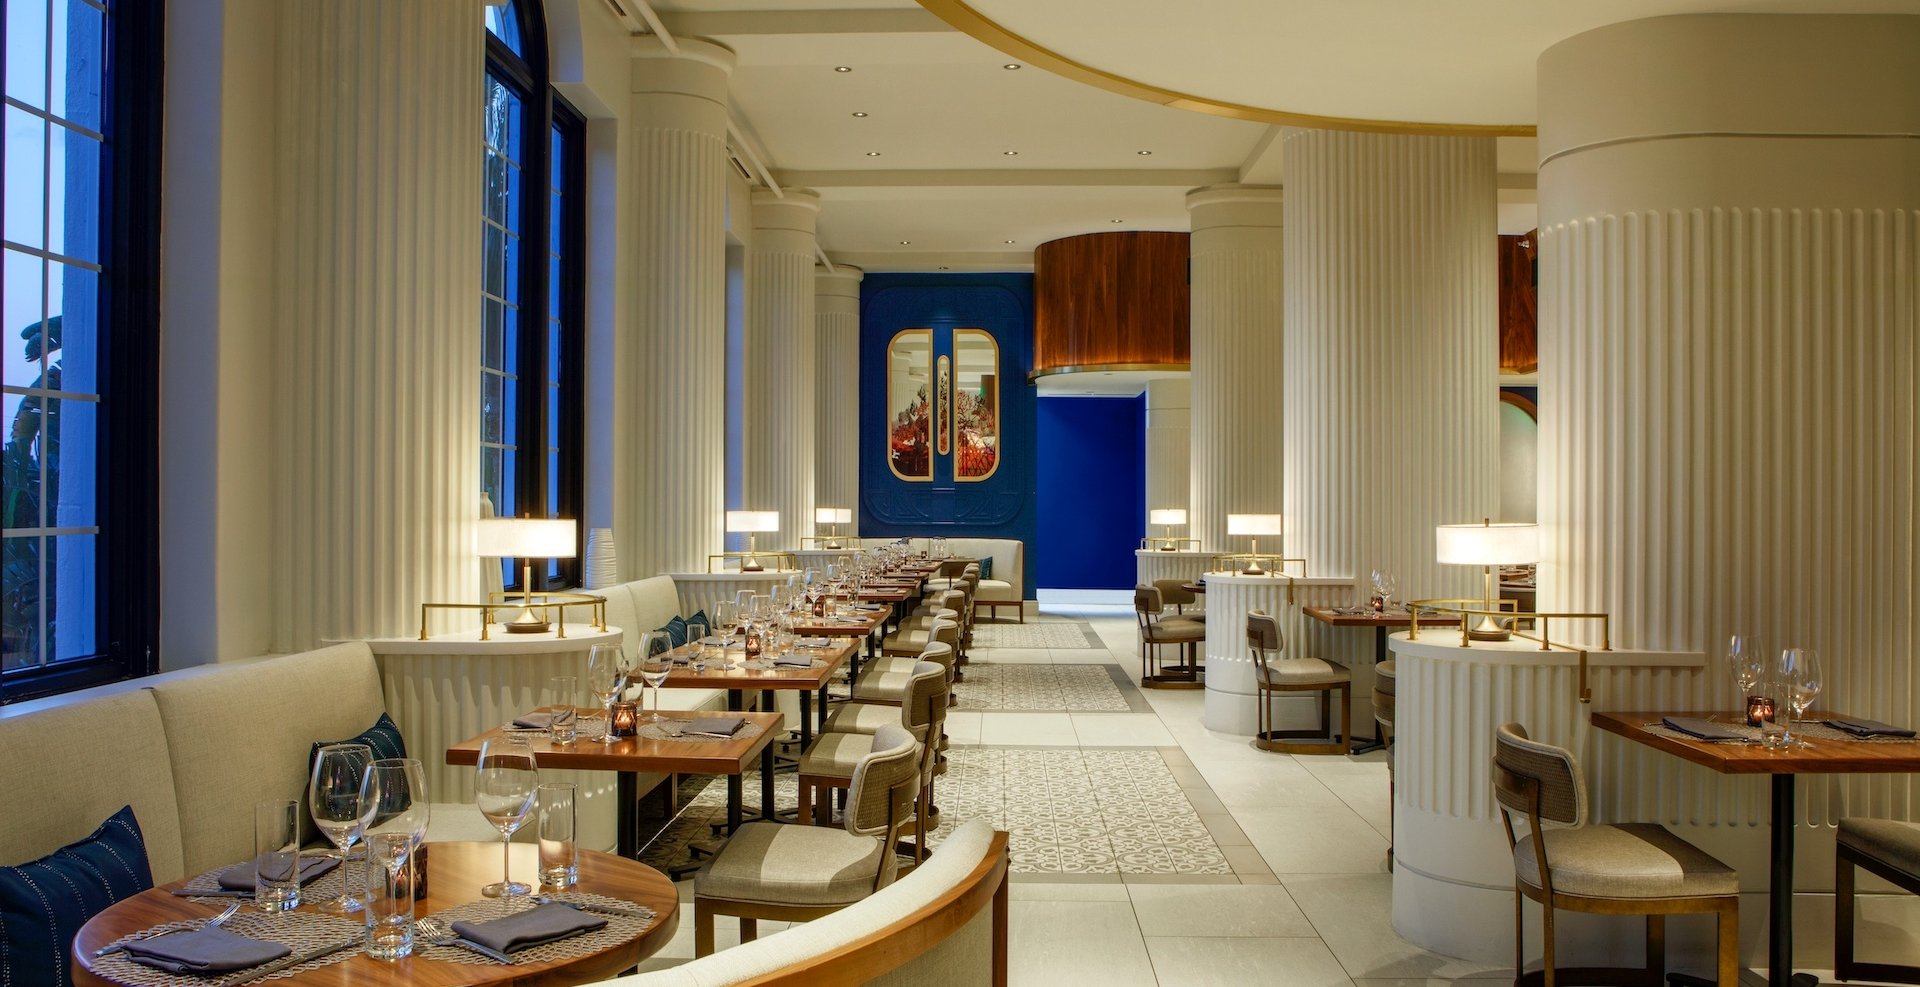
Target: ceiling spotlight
[
  {"x": 1010, "y": 66},
  {"x": 1009, "y": 241},
  {"x": 906, "y": 243},
  {"x": 843, "y": 68},
  {"x": 862, "y": 113},
  {"x": 1119, "y": 220},
  {"x": 1009, "y": 153},
  {"x": 1136, "y": 152},
  {"x": 873, "y": 154}
]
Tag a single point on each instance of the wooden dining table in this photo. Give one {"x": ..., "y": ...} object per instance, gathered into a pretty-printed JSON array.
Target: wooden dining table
[
  {"x": 737, "y": 679},
  {"x": 1782, "y": 765},
  {"x": 861, "y": 625},
  {"x": 630, "y": 756},
  {"x": 455, "y": 874}
]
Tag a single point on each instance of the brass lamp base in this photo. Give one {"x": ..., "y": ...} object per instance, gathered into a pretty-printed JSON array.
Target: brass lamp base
[
  {"x": 527, "y": 625},
  {"x": 1489, "y": 631},
  {"x": 749, "y": 565}
]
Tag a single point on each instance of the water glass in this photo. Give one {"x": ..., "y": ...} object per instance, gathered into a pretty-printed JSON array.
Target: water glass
[
  {"x": 389, "y": 895},
  {"x": 563, "y": 722},
  {"x": 559, "y": 850},
  {"x": 276, "y": 849}
]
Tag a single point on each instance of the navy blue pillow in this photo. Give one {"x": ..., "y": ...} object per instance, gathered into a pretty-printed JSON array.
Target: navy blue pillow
[
  {"x": 701, "y": 620},
  {"x": 383, "y": 737},
  {"x": 675, "y": 630},
  {"x": 43, "y": 904},
  {"x": 986, "y": 568}
]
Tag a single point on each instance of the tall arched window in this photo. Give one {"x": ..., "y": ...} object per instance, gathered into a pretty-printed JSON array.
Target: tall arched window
[
  {"x": 531, "y": 395},
  {"x": 80, "y": 330}
]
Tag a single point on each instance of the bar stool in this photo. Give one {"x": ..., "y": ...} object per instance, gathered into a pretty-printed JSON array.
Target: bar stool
[{"x": 1274, "y": 674}]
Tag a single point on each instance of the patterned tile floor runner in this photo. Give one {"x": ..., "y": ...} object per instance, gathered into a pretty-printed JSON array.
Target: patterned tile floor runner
[
  {"x": 1073, "y": 688},
  {"x": 1067, "y": 811},
  {"x": 1039, "y": 634}
]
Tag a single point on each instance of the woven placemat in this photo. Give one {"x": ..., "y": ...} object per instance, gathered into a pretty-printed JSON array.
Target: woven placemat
[
  {"x": 619, "y": 929},
  {"x": 298, "y": 931},
  {"x": 1803, "y": 729},
  {"x": 653, "y": 731},
  {"x": 323, "y": 888}
]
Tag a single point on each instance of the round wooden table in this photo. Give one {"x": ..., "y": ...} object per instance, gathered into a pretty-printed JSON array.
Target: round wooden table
[{"x": 455, "y": 874}]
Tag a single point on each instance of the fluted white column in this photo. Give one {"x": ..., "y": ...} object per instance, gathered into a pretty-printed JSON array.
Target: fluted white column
[
  {"x": 1728, "y": 272},
  {"x": 780, "y": 353},
  {"x": 1236, "y": 275},
  {"x": 1169, "y": 435},
  {"x": 836, "y": 479},
  {"x": 670, "y": 443},
  {"x": 1391, "y": 422},
  {"x": 377, "y": 328}
]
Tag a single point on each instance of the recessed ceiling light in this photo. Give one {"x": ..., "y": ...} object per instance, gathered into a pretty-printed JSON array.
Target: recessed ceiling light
[
  {"x": 1009, "y": 241},
  {"x": 862, "y": 113},
  {"x": 873, "y": 154},
  {"x": 906, "y": 243},
  {"x": 1009, "y": 153},
  {"x": 1136, "y": 152},
  {"x": 1010, "y": 66},
  {"x": 944, "y": 267},
  {"x": 1119, "y": 220},
  {"x": 843, "y": 68}
]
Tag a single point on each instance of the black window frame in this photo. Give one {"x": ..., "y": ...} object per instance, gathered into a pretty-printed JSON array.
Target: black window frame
[
  {"x": 528, "y": 76},
  {"x": 127, "y": 464}
]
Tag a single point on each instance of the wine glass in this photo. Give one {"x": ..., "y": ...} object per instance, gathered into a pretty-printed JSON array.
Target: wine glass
[
  {"x": 653, "y": 673},
  {"x": 1801, "y": 678},
  {"x": 1386, "y": 584},
  {"x": 504, "y": 784},
  {"x": 725, "y": 620},
  {"x": 333, "y": 798},
  {"x": 1747, "y": 664},
  {"x": 396, "y": 790},
  {"x": 606, "y": 676}
]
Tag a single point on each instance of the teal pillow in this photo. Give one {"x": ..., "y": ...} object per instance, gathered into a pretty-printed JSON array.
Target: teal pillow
[
  {"x": 383, "y": 738},
  {"x": 675, "y": 630},
  {"x": 986, "y": 568},
  {"x": 43, "y": 904}
]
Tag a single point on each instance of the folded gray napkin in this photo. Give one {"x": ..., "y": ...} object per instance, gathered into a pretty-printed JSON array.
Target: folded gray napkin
[
  {"x": 791, "y": 660},
  {"x": 1866, "y": 728},
  {"x": 534, "y": 721},
  {"x": 871, "y": 606},
  {"x": 203, "y": 951},
  {"x": 813, "y": 642},
  {"x": 239, "y": 877},
  {"x": 716, "y": 726},
  {"x": 535, "y": 927},
  {"x": 1694, "y": 726}
]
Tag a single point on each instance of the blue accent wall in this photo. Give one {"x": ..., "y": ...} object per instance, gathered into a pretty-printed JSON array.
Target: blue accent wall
[
  {"x": 1092, "y": 490},
  {"x": 1002, "y": 505}
]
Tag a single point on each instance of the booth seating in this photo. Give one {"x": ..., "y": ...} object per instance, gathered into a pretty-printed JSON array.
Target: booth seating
[
  {"x": 1003, "y": 585},
  {"x": 1890, "y": 850},
  {"x": 945, "y": 922}
]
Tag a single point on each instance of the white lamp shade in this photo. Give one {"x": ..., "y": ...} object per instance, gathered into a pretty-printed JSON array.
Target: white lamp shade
[
  {"x": 525, "y": 538},
  {"x": 1508, "y": 543},
  {"x": 1168, "y": 515},
  {"x": 754, "y": 521},
  {"x": 833, "y": 515},
  {"x": 1255, "y": 524}
]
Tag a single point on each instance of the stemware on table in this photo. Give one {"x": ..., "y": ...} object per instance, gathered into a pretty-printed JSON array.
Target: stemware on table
[
  {"x": 607, "y": 671},
  {"x": 1800, "y": 681},
  {"x": 395, "y": 790},
  {"x": 333, "y": 799},
  {"x": 653, "y": 673},
  {"x": 505, "y": 780}
]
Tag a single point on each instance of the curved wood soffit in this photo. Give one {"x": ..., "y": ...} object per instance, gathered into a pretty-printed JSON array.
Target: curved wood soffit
[
  {"x": 967, "y": 20},
  {"x": 1107, "y": 300},
  {"x": 1519, "y": 305}
]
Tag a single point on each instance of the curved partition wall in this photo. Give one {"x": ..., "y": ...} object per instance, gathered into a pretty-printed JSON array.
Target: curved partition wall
[
  {"x": 780, "y": 357},
  {"x": 1150, "y": 564},
  {"x": 1391, "y": 422},
  {"x": 376, "y": 332},
  {"x": 1235, "y": 353},
  {"x": 1729, "y": 260},
  {"x": 670, "y": 407},
  {"x": 836, "y": 477}
]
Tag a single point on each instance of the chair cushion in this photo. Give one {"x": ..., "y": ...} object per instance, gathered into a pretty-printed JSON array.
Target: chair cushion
[
  {"x": 1383, "y": 674},
  {"x": 995, "y": 590},
  {"x": 862, "y": 718},
  {"x": 44, "y": 903},
  {"x": 779, "y": 864},
  {"x": 1887, "y": 840},
  {"x": 1634, "y": 860},
  {"x": 1179, "y": 629},
  {"x": 1305, "y": 671},
  {"x": 835, "y": 755}
]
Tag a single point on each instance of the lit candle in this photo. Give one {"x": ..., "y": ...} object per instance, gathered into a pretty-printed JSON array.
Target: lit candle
[
  {"x": 1759, "y": 710},
  {"x": 624, "y": 719}
]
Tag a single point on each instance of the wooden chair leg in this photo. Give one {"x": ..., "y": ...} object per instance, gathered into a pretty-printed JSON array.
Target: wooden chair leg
[
  {"x": 804, "y": 815},
  {"x": 1519, "y": 936},
  {"x": 702, "y": 929},
  {"x": 1326, "y": 712},
  {"x": 749, "y": 929},
  {"x": 1656, "y": 963},
  {"x": 1843, "y": 878},
  {"x": 1346, "y": 719},
  {"x": 1728, "y": 924},
  {"x": 1546, "y": 947}
]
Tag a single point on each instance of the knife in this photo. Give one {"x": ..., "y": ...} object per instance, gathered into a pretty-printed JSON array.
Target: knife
[
  {"x": 261, "y": 972},
  {"x": 216, "y": 893}
]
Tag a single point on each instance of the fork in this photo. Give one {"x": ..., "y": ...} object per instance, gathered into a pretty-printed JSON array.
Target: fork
[{"x": 212, "y": 923}]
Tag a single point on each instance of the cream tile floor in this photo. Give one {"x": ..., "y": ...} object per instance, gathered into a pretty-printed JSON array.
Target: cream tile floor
[{"x": 1306, "y": 835}]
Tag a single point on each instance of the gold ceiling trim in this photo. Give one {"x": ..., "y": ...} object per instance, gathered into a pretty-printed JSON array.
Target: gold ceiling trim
[
  {"x": 970, "y": 21},
  {"x": 1107, "y": 368}
]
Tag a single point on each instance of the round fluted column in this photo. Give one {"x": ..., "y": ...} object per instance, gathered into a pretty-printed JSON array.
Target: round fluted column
[
  {"x": 1234, "y": 462},
  {"x": 781, "y": 338},
  {"x": 376, "y": 335},
  {"x": 1391, "y": 423},
  {"x": 670, "y": 409},
  {"x": 1169, "y": 435},
  {"x": 836, "y": 480},
  {"x": 1729, "y": 255}
]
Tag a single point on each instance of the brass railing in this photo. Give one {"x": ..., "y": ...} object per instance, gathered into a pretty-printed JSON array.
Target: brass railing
[
  {"x": 782, "y": 560},
  {"x": 1230, "y": 563},
  {"x": 1542, "y": 621},
  {"x": 848, "y": 542},
  {"x": 1169, "y": 544},
  {"x": 544, "y": 602}
]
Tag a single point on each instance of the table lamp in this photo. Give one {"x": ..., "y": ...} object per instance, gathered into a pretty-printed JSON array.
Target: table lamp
[
  {"x": 835, "y": 516},
  {"x": 1254, "y": 525},
  {"x": 1167, "y": 517},
  {"x": 1487, "y": 545},
  {"x": 752, "y": 522},
  {"x": 527, "y": 539}
]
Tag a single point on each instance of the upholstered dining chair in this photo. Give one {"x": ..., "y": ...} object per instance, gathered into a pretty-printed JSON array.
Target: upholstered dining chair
[
  {"x": 1275, "y": 674},
  {"x": 1157, "y": 631},
  {"x": 1888, "y": 849},
  {"x": 853, "y": 731},
  {"x": 1607, "y": 869},
  {"x": 1185, "y": 602},
  {"x": 796, "y": 873}
]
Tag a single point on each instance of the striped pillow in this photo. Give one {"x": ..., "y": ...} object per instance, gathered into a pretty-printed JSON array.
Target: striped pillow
[
  {"x": 43, "y": 904},
  {"x": 383, "y": 738}
]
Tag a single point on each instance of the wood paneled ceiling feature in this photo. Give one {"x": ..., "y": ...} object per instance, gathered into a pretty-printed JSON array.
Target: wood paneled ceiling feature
[{"x": 1110, "y": 301}]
